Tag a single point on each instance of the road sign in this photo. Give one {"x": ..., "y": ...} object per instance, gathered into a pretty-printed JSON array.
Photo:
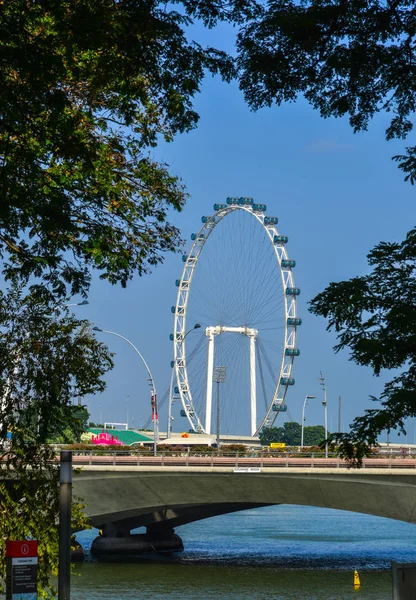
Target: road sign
[{"x": 22, "y": 568}]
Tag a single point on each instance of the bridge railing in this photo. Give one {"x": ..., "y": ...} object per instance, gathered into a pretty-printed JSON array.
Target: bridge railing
[{"x": 235, "y": 460}]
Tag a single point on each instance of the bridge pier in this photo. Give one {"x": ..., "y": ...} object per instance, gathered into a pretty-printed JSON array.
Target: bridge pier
[{"x": 116, "y": 539}]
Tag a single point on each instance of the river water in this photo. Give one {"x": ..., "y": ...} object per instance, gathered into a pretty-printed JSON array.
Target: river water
[{"x": 273, "y": 553}]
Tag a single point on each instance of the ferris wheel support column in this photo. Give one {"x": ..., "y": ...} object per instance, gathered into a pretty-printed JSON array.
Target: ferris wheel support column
[
  {"x": 210, "y": 374},
  {"x": 253, "y": 393}
]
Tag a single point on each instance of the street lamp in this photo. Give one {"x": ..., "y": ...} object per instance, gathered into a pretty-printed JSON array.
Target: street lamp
[
  {"x": 170, "y": 419},
  {"x": 83, "y": 303},
  {"x": 127, "y": 406},
  {"x": 324, "y": 404},
  {"x": 155, "y": 417},
  {"x": 303, "y": 416},
  {"x": 220, "y": 374}
]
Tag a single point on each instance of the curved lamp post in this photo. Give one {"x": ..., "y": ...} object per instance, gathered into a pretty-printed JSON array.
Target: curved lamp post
[
  {"x": 169, "y": 428},
  {"x": 303, "y": 416},
  {"x": 83, "y": 303},
  {"x": 155, "y": 417}
]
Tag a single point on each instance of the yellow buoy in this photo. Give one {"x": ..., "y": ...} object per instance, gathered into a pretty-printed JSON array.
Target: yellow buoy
[{"x": 357, "y": 582}]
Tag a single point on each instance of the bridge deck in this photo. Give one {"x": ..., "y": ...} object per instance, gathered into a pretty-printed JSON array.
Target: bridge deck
[{"x": 240, "y": 462}]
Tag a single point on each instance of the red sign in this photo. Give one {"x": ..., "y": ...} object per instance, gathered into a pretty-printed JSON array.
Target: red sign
[{"x": 21, "y": 549}]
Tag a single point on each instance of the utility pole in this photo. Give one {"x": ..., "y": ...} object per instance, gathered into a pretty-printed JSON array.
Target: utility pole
[
  {"x": 155, "y": 419},
  {"x": 339, "y": 415},
  {"x": 324, "y": 404},
  {"x": 304, "y": 417},
  {"x": 220, "y": 374}
]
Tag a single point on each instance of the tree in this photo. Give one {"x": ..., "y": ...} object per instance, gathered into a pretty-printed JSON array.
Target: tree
[
  {"x": 88, "y": 89},
  {"x": 289, "y": 434},
  {"x": 348, "y": 57},
  {"x": 76, "y": 418},
  {"x": 351, "y": 58},
  {"x": 313, "y": 435},
  {"x": 375, "y": 317},
  {"x": 292, "y": 433},
  {"x": 270, "y": 435},
  {"x": 45, "y": 357}
]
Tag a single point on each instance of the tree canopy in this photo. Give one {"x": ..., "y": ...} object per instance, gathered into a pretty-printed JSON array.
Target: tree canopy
[
  {"x": 290, "y": 434},
  {"x": 87, "y": 90},
  {"x": 46, "y": 358},
  {"x": 352, "y": 58},
  {"x": 355, "y": 59}
]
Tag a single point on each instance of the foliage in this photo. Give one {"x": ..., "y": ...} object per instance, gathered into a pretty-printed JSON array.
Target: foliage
[
  {"x": 233, "y": 449},
  {"x": 270, "y": 435},
  {"x": 200, "y": 448},
  {"x": 88, "y": 89},
  {"x": 29, "y": 503},
  {"x": 313, "y": 435},
  {"x": 172, "y": 448},
  {"x": 375, "y": 317},
  {"x": 86, "y": 437},
  {"x": 77, "y": 417},
  {"x": 354, "y": 59},
  {"x": 73, "y": 418},
  {"x": 291, "y": 434},
  {"x": 46, "y": 356}
]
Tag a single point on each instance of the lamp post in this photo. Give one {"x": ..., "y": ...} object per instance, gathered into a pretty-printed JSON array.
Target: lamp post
[
  {"x": 305, "y": 402},
  {"x": 220, "y": 374},
  {"x": 83, "y": 303},
  {"x": 155, "y": 416},
  {"x": 127, "y": 406},
  {"x": 324, "y": 404},
  {"x": 169, "y": 427},
  {"x": 65, "y": 499}
]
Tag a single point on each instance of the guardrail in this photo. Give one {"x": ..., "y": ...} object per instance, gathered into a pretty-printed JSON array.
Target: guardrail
[{"x": 236, "y": 460}]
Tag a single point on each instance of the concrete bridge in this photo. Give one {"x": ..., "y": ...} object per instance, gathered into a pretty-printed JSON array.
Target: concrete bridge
[{"x": 160, "y": 498}]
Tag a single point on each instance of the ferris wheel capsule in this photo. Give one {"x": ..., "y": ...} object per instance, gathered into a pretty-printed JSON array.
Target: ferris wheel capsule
[
  {"x": 280, "y": 239},
  {"x": 288, "y": 264}
]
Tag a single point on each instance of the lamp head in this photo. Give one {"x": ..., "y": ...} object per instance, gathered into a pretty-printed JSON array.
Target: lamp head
[
  {"x": 96, "y": 329},
  {"x": 197, "y": 326},
  {"x": 83, "y": 303},
  {"x": 311, "y": 396}
]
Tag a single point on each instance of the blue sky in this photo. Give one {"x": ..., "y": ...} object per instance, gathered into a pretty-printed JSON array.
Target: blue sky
[{"x": 336, "y": 195}]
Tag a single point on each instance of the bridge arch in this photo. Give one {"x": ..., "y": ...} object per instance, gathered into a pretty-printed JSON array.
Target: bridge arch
[{"x": 123, "y": 498}]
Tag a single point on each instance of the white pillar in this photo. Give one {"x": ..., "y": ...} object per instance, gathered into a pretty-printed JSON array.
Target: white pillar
[
  {"x": 210, "y": 375},
  {"x": 253, "y": 383}
]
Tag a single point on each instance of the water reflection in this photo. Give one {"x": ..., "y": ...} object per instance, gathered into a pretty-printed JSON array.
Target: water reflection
[{"x": 279, "y": 552}]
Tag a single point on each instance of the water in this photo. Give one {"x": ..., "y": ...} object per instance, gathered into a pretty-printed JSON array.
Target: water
[{"x": 273, "y": 553}]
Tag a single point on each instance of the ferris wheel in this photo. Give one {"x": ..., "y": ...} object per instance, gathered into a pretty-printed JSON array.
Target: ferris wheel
[{"x": 237, "y": 287}]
